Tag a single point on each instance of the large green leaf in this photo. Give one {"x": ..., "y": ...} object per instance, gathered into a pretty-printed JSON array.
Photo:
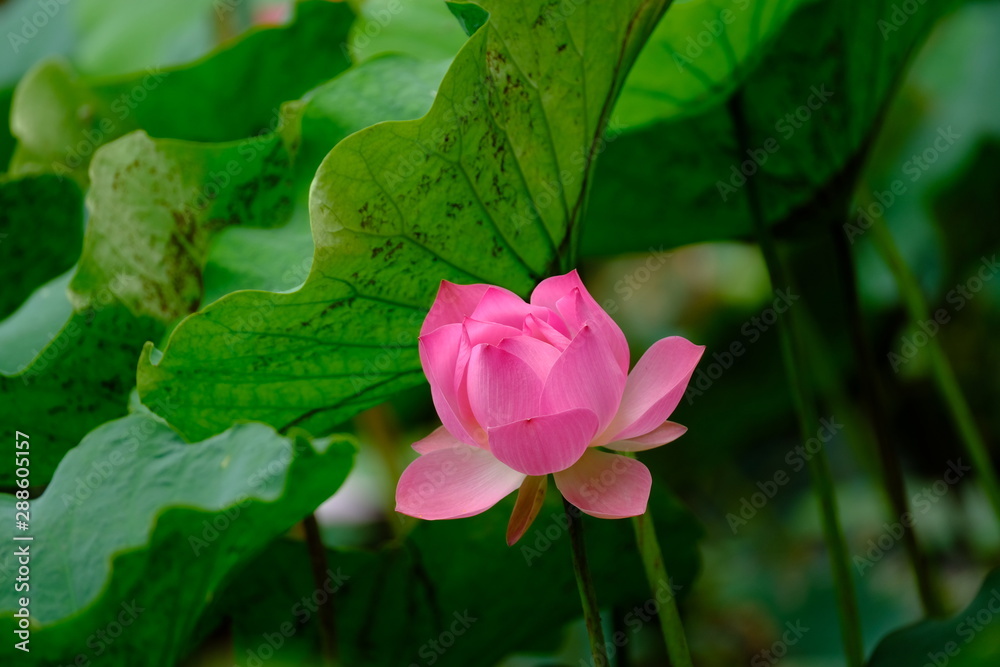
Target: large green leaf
[
  {"x": 399, "y": 599},
  {"x": 134, "y": 503},
  {"x": 970, "y": 639},
  {"x": 48, "y": 204},
  {"x": 154, "y": 204},
  {"x": 60, "y": 117},
  {"x": 489, "y": 186},
  {"x": 678, "y": 180}
]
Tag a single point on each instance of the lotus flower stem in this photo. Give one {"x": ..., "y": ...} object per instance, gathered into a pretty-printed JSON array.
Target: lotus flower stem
[
  {"x": 588, "y": 597},
  {"x": 941, "y": 370},
  {"x": 656, "y": 574},
  {"x": 805, "y": 404},
  {"x": 318, "y": 564}
]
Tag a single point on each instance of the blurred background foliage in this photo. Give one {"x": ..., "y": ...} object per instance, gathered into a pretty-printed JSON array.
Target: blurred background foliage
[{"x": 661, "y": 250}]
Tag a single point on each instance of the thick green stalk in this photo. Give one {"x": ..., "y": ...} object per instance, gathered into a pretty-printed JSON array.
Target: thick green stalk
[
  {"x": 588, "y": 596},
  {"x": 656, "y": 574},
  {"x": 805, "y": 403},
  {"x": 941, "y": 371}
]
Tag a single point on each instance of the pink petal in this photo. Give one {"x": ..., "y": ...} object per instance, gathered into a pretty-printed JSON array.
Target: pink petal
[
  {"x": 569, "y": 297},
  {"x": 550, "y": 290},
  {"x": 542, "y": 330},
  {"x": 452, "y": 304},
  {"x": 667, "y": 432},
  {"x": 439, "y": 438},
  {"x": 476, "y": 333},
  {"x": 462, "y": 357},
  {"x": 465, "y": 413},
  {"x": 541, "y": 445},
  {"x": 586, "y": 375},
  {"x": 608, "y": 486},
  {"x": 489, "y": 333},
  {"x": 502, "y": 388},
  {"x": 540, "y": 356},
  {"x": 454, "y": 483},
  {"x": 439, "y": 351},
  {"x": 439, "y": 356},
  {"x": 654, "y": 388},
  {"x": 504, "y": 307}
]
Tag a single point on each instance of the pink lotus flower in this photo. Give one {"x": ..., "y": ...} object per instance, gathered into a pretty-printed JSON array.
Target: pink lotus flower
[{"x": 528, "y": 389}]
